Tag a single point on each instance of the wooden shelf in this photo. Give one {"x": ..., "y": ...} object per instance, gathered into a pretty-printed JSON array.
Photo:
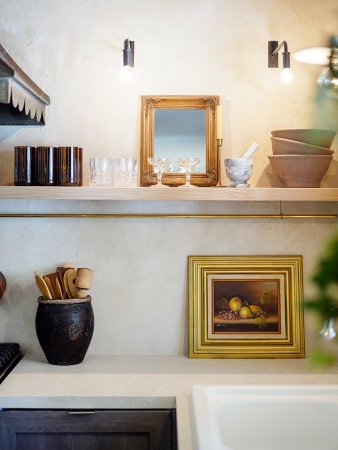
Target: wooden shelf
[{"x": 175, "y": 194}]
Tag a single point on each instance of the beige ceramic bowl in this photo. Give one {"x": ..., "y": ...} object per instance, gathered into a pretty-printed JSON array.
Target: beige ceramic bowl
[
  {"x": 322, "y": 138},
  {"x": 286, "y": 147},
  {"x": 300, "y": 170}
]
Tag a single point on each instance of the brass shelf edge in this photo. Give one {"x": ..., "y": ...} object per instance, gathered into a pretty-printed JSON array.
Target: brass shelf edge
[{"x": 165, "y": 216}]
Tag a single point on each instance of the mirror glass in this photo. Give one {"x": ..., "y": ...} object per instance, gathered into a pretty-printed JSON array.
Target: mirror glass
[{"x": 180, "y": 133}]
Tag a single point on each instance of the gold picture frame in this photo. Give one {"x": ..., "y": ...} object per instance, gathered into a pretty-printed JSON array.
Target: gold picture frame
[
  {"x": 246, "y": 307},
  {"x": 149, "y": 105}
]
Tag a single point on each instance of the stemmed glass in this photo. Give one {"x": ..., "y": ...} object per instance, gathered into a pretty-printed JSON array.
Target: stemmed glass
[
  {"x": 160, "y": 165},
  {"x": 188, "y": 166}
]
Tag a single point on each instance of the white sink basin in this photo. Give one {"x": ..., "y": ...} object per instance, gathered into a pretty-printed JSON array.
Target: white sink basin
[{"x": 294, "y": 417}]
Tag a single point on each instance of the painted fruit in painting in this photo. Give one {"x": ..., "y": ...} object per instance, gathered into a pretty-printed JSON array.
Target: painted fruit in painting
[
  {"x": 235, "y": 304},
  {"x": 2, "y": 284}
]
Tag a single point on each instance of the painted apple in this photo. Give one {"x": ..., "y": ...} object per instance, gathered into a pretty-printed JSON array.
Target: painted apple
[
  {"x": 2, "y": 284},
  {"x": 245, "y": 312},
  {"x": 235, "y": 304}
]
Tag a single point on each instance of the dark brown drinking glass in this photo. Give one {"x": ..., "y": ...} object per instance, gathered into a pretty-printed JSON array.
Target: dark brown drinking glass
[
  {"x": 24, "y": 166},
  {"x": 80, "y": 166},
  {"x": 69, "y": 166},
  {"x": 46, "y": 162}
]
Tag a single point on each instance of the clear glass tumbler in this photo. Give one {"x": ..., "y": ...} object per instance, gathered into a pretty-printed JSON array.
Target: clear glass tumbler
[
  {"x": 100, "y": 171},
  {"x": 125, "y": 172}
]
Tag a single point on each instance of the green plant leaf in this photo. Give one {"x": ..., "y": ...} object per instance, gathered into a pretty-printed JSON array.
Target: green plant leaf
[{"x": 321, "y": 358}]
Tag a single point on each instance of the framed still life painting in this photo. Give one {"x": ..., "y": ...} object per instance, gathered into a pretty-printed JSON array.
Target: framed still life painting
[{"x": 246, "y": 307}]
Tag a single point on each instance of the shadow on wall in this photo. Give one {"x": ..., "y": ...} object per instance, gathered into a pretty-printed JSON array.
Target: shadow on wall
[
  {"x": 6, "y": 131},
  {"x": 20, "y": 300},
  {"x": 269, "y": 179},
  {"x": 331, "y": 178},
  {"x": 7, "y": 168},
  {"x": 7, "y": 157}
]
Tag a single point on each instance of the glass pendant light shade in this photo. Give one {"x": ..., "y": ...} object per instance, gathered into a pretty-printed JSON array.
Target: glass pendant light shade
[
  {"x": 326, "y": 111},
  {"x": 328, "y": 332},
  {"x": 328, "y": 78}
]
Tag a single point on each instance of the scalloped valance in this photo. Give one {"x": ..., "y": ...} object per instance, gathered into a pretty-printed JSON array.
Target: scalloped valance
[{"x": 22, "y": 102}]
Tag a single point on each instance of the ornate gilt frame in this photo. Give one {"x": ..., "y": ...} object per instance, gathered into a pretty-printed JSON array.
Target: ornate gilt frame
[
  {"x": 206, "y": 342},
  {"x": 151, "y": 102}
]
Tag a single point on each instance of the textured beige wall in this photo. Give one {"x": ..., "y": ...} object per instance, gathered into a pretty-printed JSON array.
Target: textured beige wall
[{"x": 72, "y": 49}]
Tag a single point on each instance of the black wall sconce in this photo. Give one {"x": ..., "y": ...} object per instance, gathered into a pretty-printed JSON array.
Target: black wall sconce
[
  {"x": 126, "y": 73},
  {"x": 286, "y": 76}
]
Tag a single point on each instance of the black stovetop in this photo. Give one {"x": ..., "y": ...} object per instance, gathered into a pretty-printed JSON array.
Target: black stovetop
[{"x": 10, "y": 355}]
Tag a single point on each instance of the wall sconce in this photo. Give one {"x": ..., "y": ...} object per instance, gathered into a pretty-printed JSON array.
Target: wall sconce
[
  {"x": 126, "y": 73},
  {"x": 286, "y": 76}
]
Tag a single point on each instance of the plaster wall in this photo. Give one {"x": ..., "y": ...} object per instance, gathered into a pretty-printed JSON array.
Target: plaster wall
[{"x": 73, "y": 50}]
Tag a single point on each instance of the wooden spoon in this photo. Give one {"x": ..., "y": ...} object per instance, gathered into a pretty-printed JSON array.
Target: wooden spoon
[
  {"x": 49, "y": 286},
  {"x": 71, "y": 277},
  {"x": 58, "y": 289},
  {"x": 43, "y": 287}
]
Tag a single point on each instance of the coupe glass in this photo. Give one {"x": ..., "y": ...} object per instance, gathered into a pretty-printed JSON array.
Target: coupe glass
[
  {"x": 187, "y": 166},
  {"x": 160, "y": 166}
]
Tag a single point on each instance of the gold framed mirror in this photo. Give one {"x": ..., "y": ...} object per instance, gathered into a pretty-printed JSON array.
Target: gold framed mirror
[{"x": 174, "y": 127}]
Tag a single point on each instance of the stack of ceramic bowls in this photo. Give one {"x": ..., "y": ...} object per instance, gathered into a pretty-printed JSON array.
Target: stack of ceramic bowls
[{"x": 301, "y": 158}]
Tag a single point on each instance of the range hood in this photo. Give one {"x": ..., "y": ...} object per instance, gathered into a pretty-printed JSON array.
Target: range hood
[{"x": 22, "y": 102}]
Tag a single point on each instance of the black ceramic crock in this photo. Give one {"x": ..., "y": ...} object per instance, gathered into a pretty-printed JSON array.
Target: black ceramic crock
[{"x": 64, "y": 329}]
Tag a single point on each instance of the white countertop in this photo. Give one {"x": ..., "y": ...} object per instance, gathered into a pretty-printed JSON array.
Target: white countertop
[{"x": 143, "y": 382}]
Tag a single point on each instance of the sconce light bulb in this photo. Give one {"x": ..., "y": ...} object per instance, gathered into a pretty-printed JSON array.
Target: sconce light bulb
[
  {"x": 126, "y": 73},
  {"x": 286, "y": 76}
]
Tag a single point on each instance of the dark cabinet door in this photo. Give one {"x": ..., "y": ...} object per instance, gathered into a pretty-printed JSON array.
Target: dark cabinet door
[{"x": 96, "y": 430}]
